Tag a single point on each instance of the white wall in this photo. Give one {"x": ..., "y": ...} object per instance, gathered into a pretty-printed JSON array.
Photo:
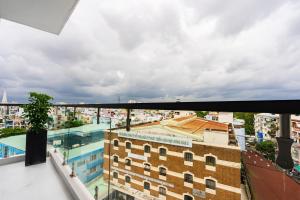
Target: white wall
[{"x": 215, "y": 137}]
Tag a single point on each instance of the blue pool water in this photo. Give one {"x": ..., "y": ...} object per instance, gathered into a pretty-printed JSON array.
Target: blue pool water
[{"x": 7, "y": 151}]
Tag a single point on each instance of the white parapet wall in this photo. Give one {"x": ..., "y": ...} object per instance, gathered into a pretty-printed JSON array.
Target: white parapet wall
[
  {"x": 12, "y": 159},
  {"x": 75, "y": 186}
]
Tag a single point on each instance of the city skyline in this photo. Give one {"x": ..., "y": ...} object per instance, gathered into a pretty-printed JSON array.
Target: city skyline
[{"x": 158, "y": 51}]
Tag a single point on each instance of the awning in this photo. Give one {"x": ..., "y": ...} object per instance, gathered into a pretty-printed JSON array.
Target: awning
[{"x": 46, "y": 15}]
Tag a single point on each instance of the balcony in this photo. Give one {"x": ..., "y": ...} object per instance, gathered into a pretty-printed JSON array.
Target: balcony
[
  {"x": 77, "y": 146},
  {"x": 19, "y": 182}
]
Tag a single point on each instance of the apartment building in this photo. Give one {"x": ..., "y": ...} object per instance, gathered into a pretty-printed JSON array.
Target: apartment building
[
  {"x": 266, "y": 126},
  {"x": 187, "y": 158}
]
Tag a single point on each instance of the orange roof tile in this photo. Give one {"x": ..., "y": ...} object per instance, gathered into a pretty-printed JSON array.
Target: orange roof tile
[
  {"x": 183, "y": 118},
  {"x": 198, "y": 125}
]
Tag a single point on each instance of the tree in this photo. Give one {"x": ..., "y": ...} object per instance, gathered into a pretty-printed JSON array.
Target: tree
[
  {"x": 267, "y": 148},
  {"x": 7, "y": 132},
  {"x": 201, "y": 114},
  {"x": 36, "y": 112},
  {"x": 273, "y": 129},
  {"x": 249, "y": 121},
  {"x": 73, "y": 123}
]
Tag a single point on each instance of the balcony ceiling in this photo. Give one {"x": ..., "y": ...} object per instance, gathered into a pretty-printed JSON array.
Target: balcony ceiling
[{"x": 47, "y": 15}]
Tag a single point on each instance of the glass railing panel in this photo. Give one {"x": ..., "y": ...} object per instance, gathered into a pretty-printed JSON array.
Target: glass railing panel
[
  {"x": 83, "y": 150},
  {"x": 240, "y": 134},
  {"x": 12, "y": 142},
  {"x": 222, "y": 137}
]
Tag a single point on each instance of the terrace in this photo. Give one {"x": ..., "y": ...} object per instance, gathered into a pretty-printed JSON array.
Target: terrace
[
  {"x": 53, "y": 181},
  {"x": 75, "y": 185}
]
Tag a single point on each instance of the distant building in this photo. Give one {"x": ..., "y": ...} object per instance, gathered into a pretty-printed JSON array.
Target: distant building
[
  {"x": 182, "y": 113},
  {"x": 240, "y": 133},
  {"x": 3, "y": 110},
  {"x": 265, "y": 124},
  {"x": 186, "y": 158},
  {"x": 87, "y": 161},
  {"x": 4, "y": 97},
  {"x": 237, "y": 124}
]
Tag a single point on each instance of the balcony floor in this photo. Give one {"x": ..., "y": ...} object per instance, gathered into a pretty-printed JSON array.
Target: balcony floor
[{"x": 37, "y": 182}]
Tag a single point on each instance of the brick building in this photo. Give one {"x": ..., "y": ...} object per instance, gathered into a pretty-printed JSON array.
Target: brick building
[{"x": 187, "y": 158}]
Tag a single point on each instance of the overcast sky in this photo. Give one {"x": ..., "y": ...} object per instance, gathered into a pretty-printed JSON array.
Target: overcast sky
[{"x": 158, "y": 50}]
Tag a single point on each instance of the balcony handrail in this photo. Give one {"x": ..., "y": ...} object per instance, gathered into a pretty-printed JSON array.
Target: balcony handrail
[{"x": 259, "y": 106}]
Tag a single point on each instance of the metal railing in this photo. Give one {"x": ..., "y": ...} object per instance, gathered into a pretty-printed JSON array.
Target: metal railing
[{"x": 276, "y": 106}]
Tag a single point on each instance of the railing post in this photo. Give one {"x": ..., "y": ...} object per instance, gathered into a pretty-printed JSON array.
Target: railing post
[
  {"x": 98, "y": 116},
  {"x": 284, "y": 158},
  {"x": 73, "y": 170},
  {"x": 128, "y": 120},
  {"x": 96, "y": 193},
  {"x": 74, "y": 116},
  {"x": 109, "y": 163},
  {"x": 64, "y": 161},
  {"x": 7, "y": 110}
]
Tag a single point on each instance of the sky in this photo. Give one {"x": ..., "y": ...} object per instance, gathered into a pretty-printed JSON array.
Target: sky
[{"x": 158, "y": 50}]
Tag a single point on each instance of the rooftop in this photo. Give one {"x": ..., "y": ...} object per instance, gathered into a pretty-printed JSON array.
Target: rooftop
[
  {"x": 73, "y": 153},
  {"x": 19, "y": 182},
  {"x": 266, "y": 181},
  {"x": 188, "y": 125},
  {"x": 18, "y": 141}
]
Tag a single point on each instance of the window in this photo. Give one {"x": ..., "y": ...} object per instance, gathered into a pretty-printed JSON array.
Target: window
[
  {"x": 210, "y": 161},
  {"x": 147, "y": 167},
  {"x": 115, "y": 175},
  {"x": 162, "y": 191},
  {"x": 211, "y": 184},
  {"x": 162, "y": 152},
  {"x": 116, "y": 143},
  {"x": 93, "y": 169},
  {"x": 162, "y": 171},
  {"x": 187, "y": 197},
  {"x": 188, "y": 157},
  {"x": 188, "y": 178},
  {"x": 128, "y": 145},
  {"x": 147, "y": 149},
  {"x": 128, "y": 162},
  {"x": 146, "y": 186},
  {"x": 80, "y": 163},
  {"x": 93, "y": 157},
  {"x": 127, "y": 179},
  {"x": 116, "y": 159}
]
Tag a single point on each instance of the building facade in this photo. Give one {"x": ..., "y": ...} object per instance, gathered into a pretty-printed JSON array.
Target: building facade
[
  {"x": 170, "y": 161},
  {"x": 266, "y": 126}
]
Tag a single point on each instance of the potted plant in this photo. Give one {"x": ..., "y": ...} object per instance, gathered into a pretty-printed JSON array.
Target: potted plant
[{"x": 36, "y": 112}]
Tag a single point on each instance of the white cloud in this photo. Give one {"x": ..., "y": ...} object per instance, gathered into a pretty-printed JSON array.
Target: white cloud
[{"x": 159, "y": 50}]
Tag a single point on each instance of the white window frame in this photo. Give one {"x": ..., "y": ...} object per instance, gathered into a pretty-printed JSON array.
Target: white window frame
[
  {"x": 161, "y": 176},
  {"x": 147, "y": 154},
  {"x": 163, "y": 157},
  {"x": 128, "y": 166},
  {"x": 187, "y": 194},
  {"x": 147, "y": 172},
  {"x": 145, "y": 190},
  {"x": 116, "y": 147},
  {"x": 128, "y": 150},
  {"x": 161, "y": 196},
  {"x": 187, "y": 184},
  {"x": 208, "y": 190},
  {"x": 209, "y": 167},
  {"x": 188, "y": 163},
  {"x": 115, "y": 163}
]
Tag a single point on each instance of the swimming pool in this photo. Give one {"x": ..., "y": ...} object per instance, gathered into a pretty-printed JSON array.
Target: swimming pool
[{"x": 7, "y": 151}]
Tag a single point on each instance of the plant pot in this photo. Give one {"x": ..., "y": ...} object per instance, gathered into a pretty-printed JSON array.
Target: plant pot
[{"x": 36, "y": 147}]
